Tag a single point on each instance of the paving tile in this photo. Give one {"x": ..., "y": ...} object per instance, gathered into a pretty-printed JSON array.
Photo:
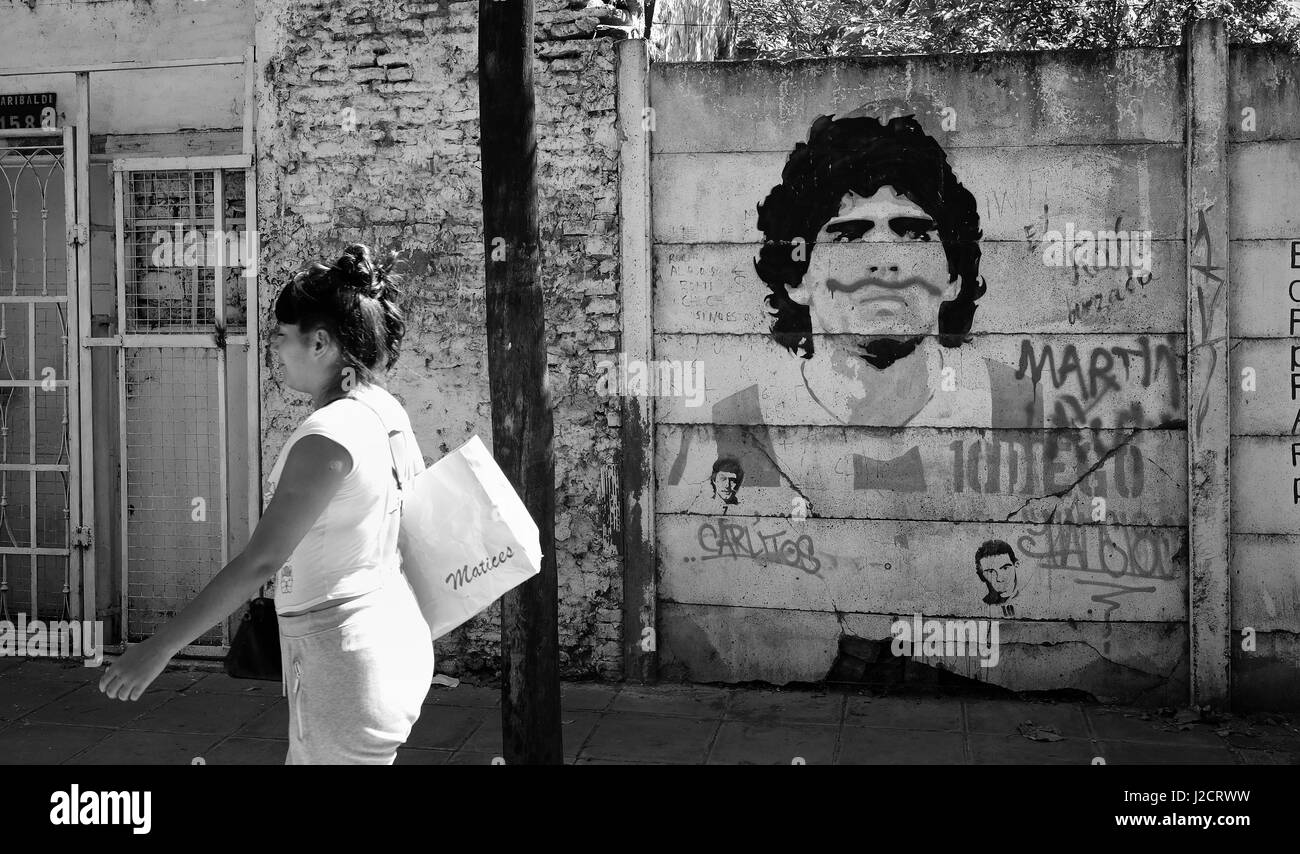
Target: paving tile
[
  {"x": 221, "y": 714},
  {"x": 46, "y": 744},
  {"x": 1005, "y": 716},
  {"x": 176, "y": 680},
  {"x": 190, "y": 713},
  {"x": 693, "y": 701},
  {"x": 1267, "y": 738},
  {"x": 878, "y": 746},
  {"x": 587, "y": 696},
  {"x": 272, "y": 723},
  {"x": 1146, "y": 753},
  {"x": 87, "y": 706},
  {"x": 420, "y": 756},
  {"x": 125, "y": 747},
  {"x": 1267, "y": 757},
  {"x": 21, "y": 693},
  {"x": 471, "y": 696},
  {"x": 808, "y": 707},
  {"x": 1113, "y": 726},
  {"x": 238, "y": 750},
  {"x": 447, "y": 727},
  {"x": 49, "y": 670},
  {"x": 745, "y": 743},
  {"x": 167, "y": 681},
  {"x": 472, "y": 757},
  {"x": 653, "y": 738},
  {"x": 220, "y": 683},
  {"x": 575, "y": 727},
  {"x": 923, "y": 713},
  {"x": 990, "y": 749},
  {"x": 468, "y": 757}
]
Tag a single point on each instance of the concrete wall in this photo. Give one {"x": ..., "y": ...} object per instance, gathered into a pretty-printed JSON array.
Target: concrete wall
[
  {"x": 897, "y": 503},
  {"x": 1264, "y": 261},
  {"x": 368, "y": 130}
]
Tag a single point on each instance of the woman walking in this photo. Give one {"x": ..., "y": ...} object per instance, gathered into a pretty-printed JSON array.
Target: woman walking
[{"x": 356, "y": 652}]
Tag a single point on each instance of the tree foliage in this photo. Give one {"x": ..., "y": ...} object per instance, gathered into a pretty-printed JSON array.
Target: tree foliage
[{"x": 789, "y": 29}]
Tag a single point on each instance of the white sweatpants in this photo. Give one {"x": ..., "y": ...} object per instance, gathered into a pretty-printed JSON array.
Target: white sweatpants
[{"x": 356, "y": 676}]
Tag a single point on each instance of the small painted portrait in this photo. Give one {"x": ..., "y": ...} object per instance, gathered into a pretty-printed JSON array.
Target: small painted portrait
[
  {"x": 995, "y": 564},
  {"x": 725, "y": 480}
]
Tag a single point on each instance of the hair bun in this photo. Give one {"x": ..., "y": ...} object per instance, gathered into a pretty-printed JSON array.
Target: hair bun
[{"x": 359, "y": 271}]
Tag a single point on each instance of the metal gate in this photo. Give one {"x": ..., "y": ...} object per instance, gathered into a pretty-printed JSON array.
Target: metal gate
[
  {"x": 40, "y": 459},
  {"x": 184, "y": 255}
]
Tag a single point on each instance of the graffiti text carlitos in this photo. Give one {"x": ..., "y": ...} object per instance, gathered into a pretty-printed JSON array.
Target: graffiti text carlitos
[{"x": 727, "y": 539}]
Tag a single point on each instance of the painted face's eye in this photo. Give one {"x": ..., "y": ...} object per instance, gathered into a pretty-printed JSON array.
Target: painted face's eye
[
  {"x": 843, "y": 232},
  {"x": 913, "y": 228}
]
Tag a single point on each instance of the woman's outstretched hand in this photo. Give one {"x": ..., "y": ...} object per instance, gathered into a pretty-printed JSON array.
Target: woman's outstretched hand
[{"x": 133, "y": 672}]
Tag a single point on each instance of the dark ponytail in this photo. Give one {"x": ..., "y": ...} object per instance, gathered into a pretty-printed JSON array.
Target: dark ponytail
[{"x": 356, "y": 300}]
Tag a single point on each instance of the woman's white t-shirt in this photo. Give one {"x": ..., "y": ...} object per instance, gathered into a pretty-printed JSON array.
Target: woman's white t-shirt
[{"x": 352, "y": 547}]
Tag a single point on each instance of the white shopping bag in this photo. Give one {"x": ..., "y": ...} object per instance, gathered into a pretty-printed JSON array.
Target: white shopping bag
[{"x": 466, "y": 537}]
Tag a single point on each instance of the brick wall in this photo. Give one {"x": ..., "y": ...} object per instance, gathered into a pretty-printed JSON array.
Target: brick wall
[{"x": 368, "y": 130}]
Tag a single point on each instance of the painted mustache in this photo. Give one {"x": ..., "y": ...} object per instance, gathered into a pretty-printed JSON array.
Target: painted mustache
[{"x": 835, "y": 285}]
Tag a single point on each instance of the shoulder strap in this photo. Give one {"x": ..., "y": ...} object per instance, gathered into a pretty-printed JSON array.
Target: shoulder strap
[{"x": 396, "y": 476}]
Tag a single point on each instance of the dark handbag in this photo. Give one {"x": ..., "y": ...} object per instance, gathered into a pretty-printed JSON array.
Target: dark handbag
[{"x": 255, "y": 650}]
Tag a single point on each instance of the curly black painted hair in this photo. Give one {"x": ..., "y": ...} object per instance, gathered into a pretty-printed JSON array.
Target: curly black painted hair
[
  {"x": 862, "y": 154},
  {"x": 728, "y": 464},
  {"x": 356, "y": 299},
  {"x": 992, "y": 548}
]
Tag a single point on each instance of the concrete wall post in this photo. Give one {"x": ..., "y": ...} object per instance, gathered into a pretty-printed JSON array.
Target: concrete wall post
[{"x": 1208, "y": 374}]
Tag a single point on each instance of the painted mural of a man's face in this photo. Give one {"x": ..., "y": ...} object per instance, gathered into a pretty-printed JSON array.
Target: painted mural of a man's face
[
  {"x": 995, "y": 564},
  {"x": 726, "y": 480},
  {"x": 870, "y": 234}
]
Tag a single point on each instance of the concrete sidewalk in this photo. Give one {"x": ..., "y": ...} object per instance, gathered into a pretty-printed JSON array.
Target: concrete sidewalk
[{"x": 52, "y": 713}]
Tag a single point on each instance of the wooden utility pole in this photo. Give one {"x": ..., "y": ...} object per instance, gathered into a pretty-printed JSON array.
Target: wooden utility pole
[{"x": 521, "y": 400}]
